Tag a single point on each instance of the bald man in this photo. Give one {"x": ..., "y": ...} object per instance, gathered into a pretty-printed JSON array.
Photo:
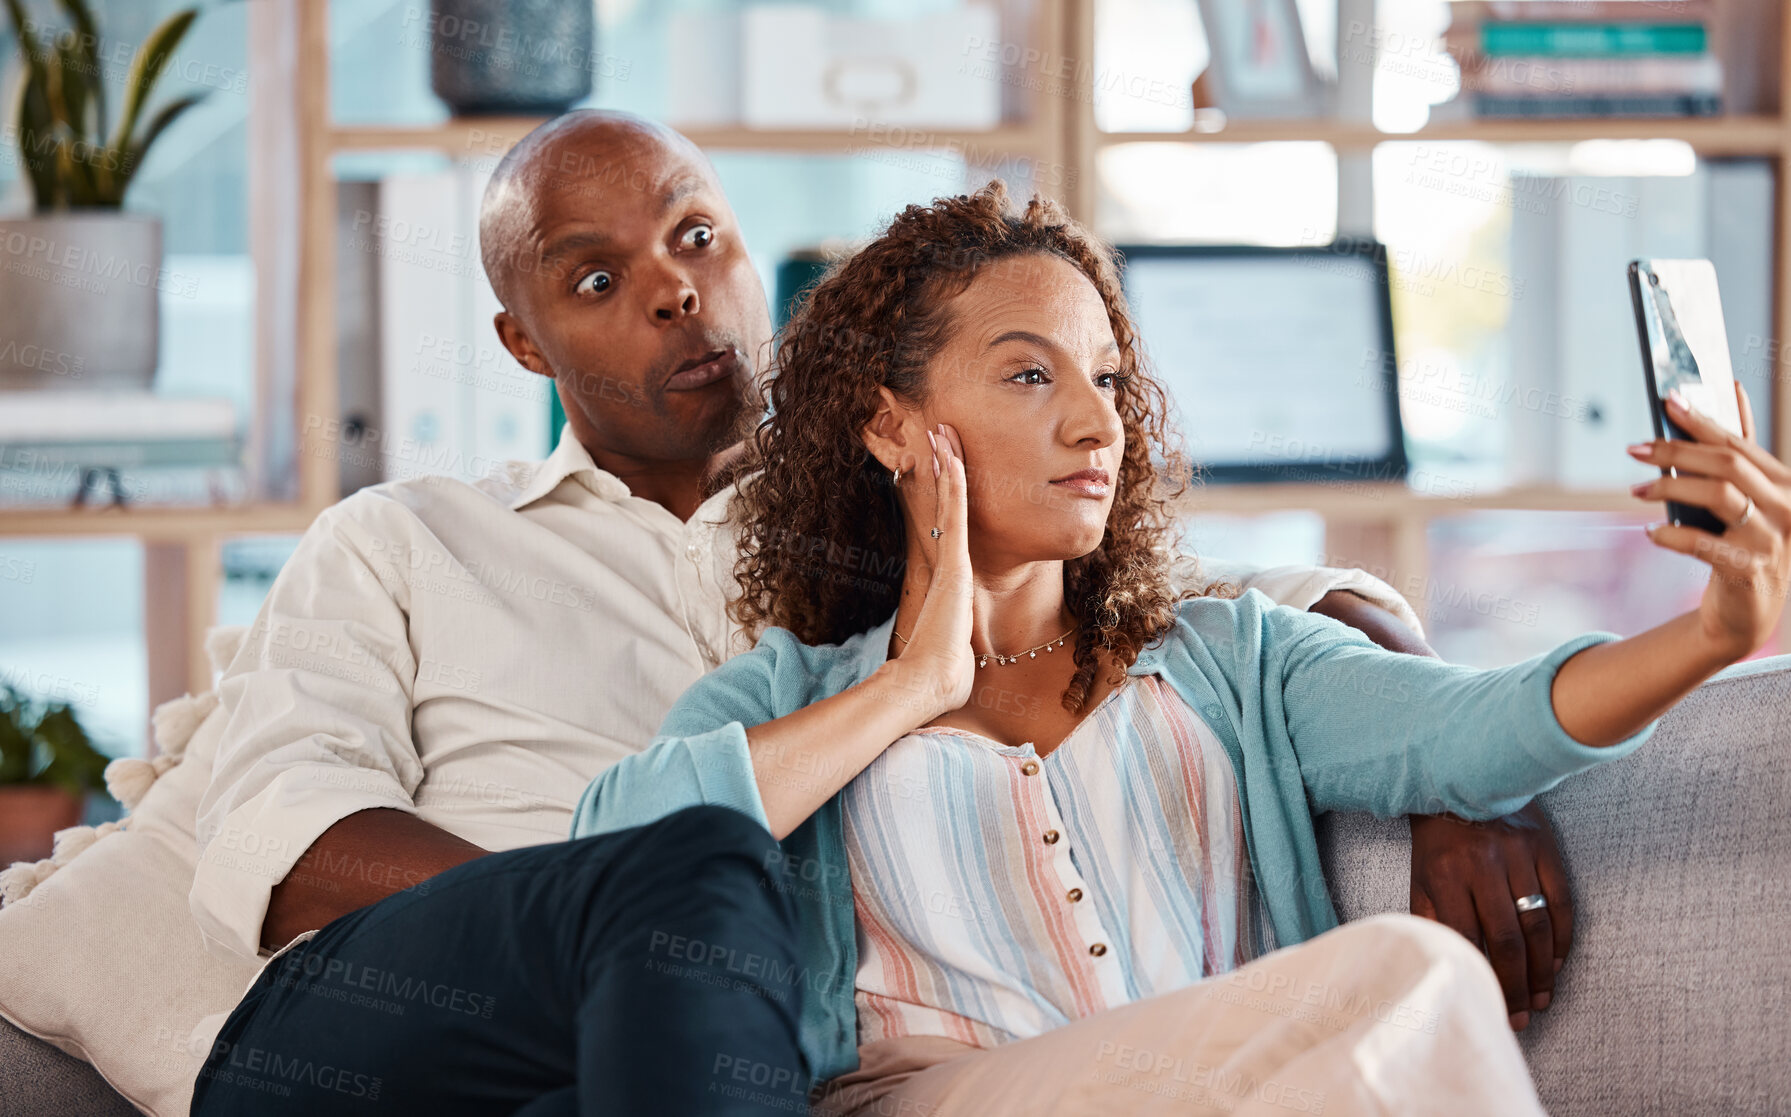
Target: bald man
[{"x": 441, "y": 668}]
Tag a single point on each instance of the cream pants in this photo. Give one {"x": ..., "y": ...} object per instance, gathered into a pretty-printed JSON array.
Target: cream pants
[{"x": 1389, "y": 1015}]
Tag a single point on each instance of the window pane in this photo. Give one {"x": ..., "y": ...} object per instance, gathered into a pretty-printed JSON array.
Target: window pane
[
  {"x": 71, "y": 630},
  {"x": 1505, "y": 586},
  {"x": 1273, "y": 193},
  {"x": 1271, "y": 539},
  {"x": 1515, "y": 332},
  {"x": 1147, "y": 54},
  {"x": 1412, "y": 71},
  {"x": 250, "y": 566}
]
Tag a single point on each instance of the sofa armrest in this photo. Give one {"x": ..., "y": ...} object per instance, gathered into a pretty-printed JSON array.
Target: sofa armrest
[{"x": 1680, "y": 858}]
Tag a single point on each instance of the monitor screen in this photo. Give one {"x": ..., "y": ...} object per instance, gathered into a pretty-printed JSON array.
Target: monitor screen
[{"x": 1280, "y": 361}]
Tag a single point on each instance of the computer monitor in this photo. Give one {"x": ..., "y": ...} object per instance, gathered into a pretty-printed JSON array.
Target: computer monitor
[{"x": 1280, "y": 360}]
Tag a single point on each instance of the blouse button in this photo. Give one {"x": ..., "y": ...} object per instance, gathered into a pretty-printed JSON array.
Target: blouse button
[
  {"x": 1030, "y": 768},
  {"x": 1098, "y": 949},
  {"x": 1075, "y": 895},
  {"x": 1051, "y": 837}
]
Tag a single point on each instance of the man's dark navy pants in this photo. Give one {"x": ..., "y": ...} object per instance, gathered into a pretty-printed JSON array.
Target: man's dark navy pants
[{"x": 648, "y": 971}]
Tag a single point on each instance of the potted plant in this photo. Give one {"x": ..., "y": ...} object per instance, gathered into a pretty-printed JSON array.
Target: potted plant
[
  {"x": 79, "y": 278},
  {"x": 47, "y": 767}
]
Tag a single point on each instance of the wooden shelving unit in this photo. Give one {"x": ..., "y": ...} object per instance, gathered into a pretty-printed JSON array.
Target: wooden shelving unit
[
  {"x": 293, "y": 215},
  {"x": 1715, "y": 136},
  {"x": 492, "y": 137}
]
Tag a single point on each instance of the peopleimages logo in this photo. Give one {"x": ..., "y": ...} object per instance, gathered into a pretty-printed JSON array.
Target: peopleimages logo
[{"x": 71, "y": 265}]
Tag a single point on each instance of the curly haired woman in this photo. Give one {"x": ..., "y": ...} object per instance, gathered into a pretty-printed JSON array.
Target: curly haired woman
[{"x": 1046, "y": 822}]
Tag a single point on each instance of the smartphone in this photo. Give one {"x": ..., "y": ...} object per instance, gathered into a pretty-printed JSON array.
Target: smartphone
[{"x": 1679, "y": 319}]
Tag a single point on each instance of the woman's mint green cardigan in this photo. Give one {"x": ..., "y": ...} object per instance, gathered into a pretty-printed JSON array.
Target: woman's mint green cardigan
[{"x": 1313, "y": 714}]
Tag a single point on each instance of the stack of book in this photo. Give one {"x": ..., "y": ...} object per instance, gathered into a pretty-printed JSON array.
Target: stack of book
[{"x": 1573, "y": 58}]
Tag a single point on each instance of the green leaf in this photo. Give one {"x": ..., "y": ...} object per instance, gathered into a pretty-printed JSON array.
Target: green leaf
[
  {"x": 74, "y": 162},
  {"x": 87, "y": 44},
  {"x": 15, "y": 746},
  {"x": 132, "y": 158},
  {"x": 146, "y": 69},
  {"x": 74, "y": 764},
  {"x": 28, "y": 45},
  {"x": 66, "y": 86},
  {"x": 37, "y": 141},
  {"x": 46, "y": 745}
]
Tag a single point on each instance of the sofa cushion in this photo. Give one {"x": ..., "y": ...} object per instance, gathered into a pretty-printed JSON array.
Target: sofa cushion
[
  {"x": 1673, "y": 998},
  {"x": 114, "y": 969}
]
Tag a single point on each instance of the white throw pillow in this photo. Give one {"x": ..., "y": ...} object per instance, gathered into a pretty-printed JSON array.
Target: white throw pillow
[{"x": 103, "y": 958}]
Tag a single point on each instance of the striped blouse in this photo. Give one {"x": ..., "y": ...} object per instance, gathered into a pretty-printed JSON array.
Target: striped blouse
[{"x": 999, "y": 895}]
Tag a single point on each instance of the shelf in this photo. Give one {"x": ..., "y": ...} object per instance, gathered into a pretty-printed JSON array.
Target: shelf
[
  {"x": 1357, "y": 501},
  {"x": 491, "y": 137},
  {"x": 1382, "y": 501},
  {"x": 1740, "y": 135},
  {"x": 159, "y": 524}
]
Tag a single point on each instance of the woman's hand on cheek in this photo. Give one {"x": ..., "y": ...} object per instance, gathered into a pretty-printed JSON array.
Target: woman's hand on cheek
[{"x": 941, "y": 640}]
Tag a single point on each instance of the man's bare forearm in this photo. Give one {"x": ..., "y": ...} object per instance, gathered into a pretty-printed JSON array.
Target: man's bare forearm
[
  {"x": 1371, "y": 620},
  {"x": 359, "y": 860}
]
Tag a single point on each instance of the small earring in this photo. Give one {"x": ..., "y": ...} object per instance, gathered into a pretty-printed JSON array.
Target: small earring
[{"x": 896, "y": 479}]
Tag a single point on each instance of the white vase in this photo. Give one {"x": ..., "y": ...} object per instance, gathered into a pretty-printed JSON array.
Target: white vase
[{"x": 79, "y": 301}]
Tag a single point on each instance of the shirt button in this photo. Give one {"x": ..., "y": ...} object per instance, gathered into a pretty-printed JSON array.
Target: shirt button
[
  {"x": 1098, "y": 949},
  {"x": 1051, "y": 837},
  {"x": 1075, "y": 895},
  {"x": 1030, "y": 768},
  {"x": 692, "y": 550}
]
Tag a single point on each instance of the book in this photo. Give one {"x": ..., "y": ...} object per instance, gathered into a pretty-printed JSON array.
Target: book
[
  {"x": 1466, "y": 12},
  {"x": 1544, "y": 75},
  {"x": 1581, "y": 40},
  {"x": 1498, "y": 106}
]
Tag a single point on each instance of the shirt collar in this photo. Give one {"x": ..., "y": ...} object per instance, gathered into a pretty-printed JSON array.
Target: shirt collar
[{"x": 569, "y": 459}]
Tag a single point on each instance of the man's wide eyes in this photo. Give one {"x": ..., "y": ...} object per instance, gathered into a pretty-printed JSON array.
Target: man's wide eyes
[
  {"x": 699, "y": 236},
  {"x": 593, "y": 283}
]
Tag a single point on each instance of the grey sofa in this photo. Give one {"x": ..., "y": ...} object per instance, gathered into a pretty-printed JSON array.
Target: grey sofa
[{"x": 1675, "y": 998}]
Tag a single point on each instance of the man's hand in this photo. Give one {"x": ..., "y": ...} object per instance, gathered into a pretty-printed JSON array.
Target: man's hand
[
  {"x": 359, "y": 860},
  {"x": 1469, "y": 875}
]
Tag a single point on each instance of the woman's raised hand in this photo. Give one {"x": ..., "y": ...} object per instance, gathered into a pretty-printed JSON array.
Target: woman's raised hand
[
  {"x": 940, "y": 643},
  {"x": 1751, "y": 561}
]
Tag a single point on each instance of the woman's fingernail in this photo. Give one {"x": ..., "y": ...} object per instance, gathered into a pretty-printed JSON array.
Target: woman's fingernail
[
  {"x": 1520, "y": 1021},
  {"x": 1539, "y": 1001},
  {"x": 1559, "y": 962},
  {"x": 1642, "y": 449},
  {"x": 1641, "y": 487}
]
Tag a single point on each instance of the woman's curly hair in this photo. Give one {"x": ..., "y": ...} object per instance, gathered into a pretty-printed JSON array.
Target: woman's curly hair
[{"x": 822, "y": 538}]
